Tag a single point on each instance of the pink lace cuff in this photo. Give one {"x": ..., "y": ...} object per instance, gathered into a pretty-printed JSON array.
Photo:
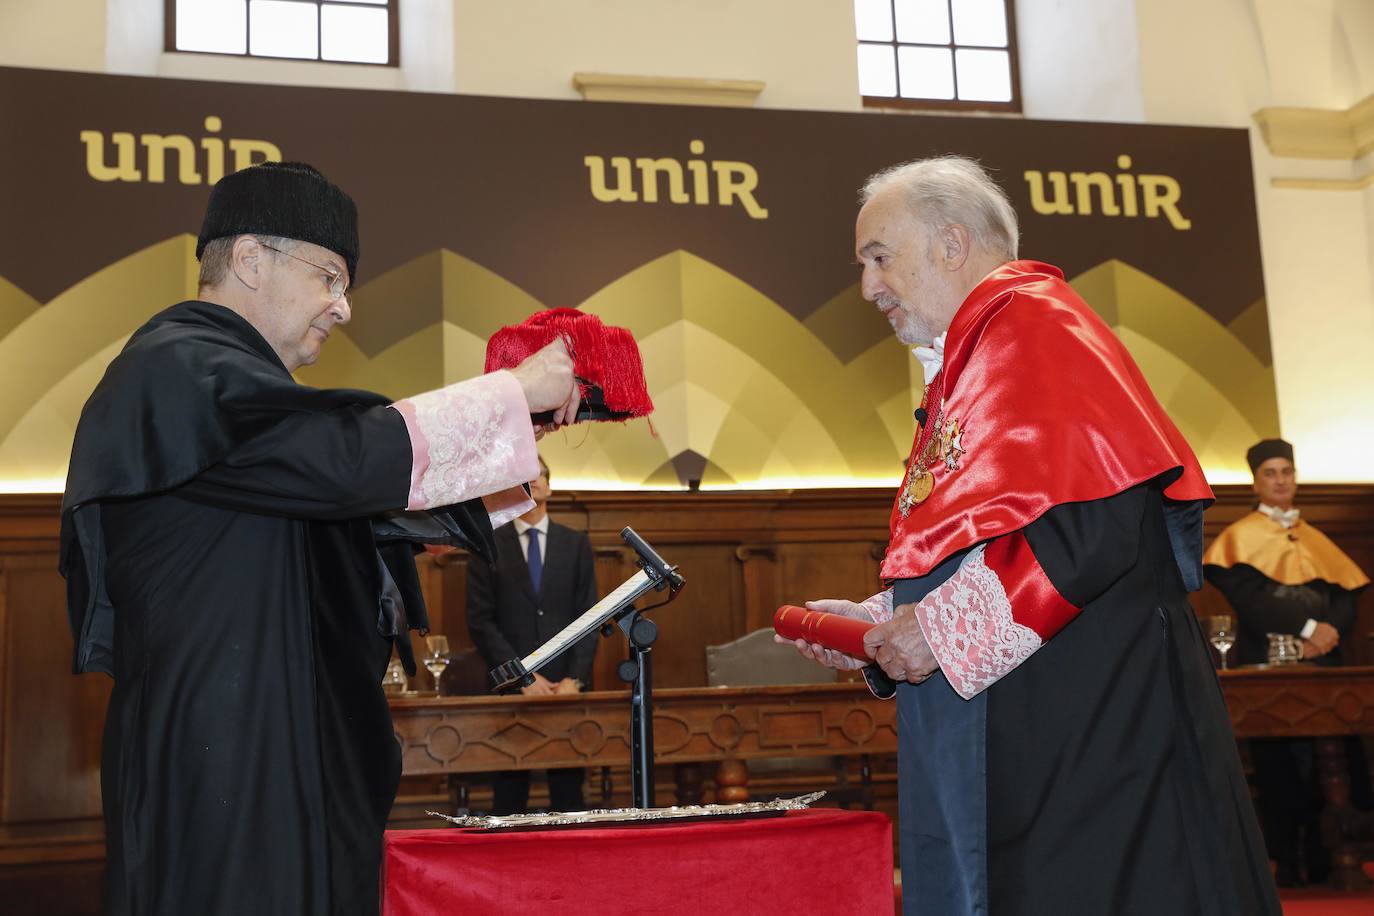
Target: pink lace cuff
[
  {"x": 470, "y": 439},
  {"x": 968, "y": 623}
]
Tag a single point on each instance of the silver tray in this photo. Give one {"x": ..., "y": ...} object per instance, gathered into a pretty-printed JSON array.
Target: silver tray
[{"x": 631, "y": 816}]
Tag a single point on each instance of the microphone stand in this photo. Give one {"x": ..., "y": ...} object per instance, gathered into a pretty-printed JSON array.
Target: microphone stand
[{"x": 637, "y": 670}]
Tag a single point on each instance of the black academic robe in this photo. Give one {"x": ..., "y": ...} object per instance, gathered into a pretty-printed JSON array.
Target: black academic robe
[
  {"x": 1100, "y": 776},
  {"x": 1290, "y": 798},
  {"x": 1264, "y": 606},
  {"x": 229, "y": 563}
]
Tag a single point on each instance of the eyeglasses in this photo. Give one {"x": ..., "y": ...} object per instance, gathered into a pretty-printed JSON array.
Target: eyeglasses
[{"x": 338, "y": 286}]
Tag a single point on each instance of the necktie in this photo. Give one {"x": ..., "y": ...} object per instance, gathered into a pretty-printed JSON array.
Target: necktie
[{"x": 535, "y": 560}]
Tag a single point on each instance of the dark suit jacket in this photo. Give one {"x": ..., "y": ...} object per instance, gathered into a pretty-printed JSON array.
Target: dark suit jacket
[{"x": 507, "y": 620}]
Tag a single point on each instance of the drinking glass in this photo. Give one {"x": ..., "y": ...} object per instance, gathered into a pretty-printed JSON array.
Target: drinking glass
[
  {"x": 1284, "y": 649},
  {"x": 394, "y": 683},
  {"x": 1221, "y": 633},
  {"x": 437, "y": 658}
]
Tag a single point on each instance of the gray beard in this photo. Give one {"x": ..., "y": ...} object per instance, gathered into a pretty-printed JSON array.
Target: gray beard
[{"x": 913, "y": 330}]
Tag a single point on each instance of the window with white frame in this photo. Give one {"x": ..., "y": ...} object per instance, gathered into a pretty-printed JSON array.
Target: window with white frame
[
  {"x": 937, "y": 54},
  {"x": 342, "y": 31}
]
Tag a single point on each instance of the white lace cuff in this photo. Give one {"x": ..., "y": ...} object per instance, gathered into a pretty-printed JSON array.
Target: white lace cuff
[
  {"x": 968, "y": 623},
  {"x": 470, "y": 439},
  {"x": 879, "y": 607}
]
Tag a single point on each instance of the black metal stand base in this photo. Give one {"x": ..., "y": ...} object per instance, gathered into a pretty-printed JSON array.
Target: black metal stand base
[{"x": 637, "y": 670}]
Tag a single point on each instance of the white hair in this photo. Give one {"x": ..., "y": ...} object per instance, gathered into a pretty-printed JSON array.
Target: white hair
[{"x": 953, "y": 190}]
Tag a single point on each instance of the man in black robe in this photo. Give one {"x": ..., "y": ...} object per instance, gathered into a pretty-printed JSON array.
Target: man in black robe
[
  {"x": 1064, "y": 747},
  {"x": 239, "y": 558},
  {"x": 1282, "y": 575}
]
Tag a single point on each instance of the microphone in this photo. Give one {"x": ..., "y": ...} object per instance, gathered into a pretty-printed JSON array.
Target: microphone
[{"x": 921, "y": 416}]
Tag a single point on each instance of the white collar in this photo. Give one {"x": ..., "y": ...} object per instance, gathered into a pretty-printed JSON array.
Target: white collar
[
  {"x": 1285, "y": 517},
  {"x": 931, "y": 357},
  {"x": 542, "y": 526}
]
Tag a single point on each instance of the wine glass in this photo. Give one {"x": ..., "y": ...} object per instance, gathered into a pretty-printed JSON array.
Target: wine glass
[
  {"x": 1221, "y": 633},
  {"x": 437, "y": 659}
]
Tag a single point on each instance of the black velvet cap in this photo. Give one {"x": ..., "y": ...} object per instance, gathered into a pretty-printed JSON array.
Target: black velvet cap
[
  {"x": 1265, "y": 449},
  {"x": 288, "y": 199}
]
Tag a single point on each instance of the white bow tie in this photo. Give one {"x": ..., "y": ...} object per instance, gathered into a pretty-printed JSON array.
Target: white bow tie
[
  {"x": 1285, "y": 517},
  {"x": 931, "y": 357}
]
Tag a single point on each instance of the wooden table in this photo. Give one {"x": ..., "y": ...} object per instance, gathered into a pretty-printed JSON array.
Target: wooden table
[
  {"x": 1299, "y": 701},
  {"x": 724, "y": 726},
  {"x": 1327, "y": 704},
  {"x": 729, "y": 726}
]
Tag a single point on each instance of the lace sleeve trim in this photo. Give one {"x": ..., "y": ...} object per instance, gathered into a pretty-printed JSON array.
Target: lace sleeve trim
[
  {"x": 469, "y": 439},
  {"x": 969, "y": 626},
  {"x": 879, "y": 606}
]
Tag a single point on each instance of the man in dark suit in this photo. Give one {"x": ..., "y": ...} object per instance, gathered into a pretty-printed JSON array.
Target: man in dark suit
[{"x": 543, "y": 579}]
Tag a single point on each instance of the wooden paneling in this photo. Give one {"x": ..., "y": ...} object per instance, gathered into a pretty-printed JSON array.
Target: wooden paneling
[
  {"x": 52, "y": 720},
  {"x": 831, "y": 569},
  {"x": 480, "y": 734},
  {"x": 742, "y": 554}
]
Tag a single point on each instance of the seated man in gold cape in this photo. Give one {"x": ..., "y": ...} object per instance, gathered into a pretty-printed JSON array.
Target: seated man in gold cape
[{"x": 1282, "y": 575}]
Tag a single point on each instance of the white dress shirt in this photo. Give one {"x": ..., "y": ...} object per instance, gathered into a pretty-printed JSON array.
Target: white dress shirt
[{"x": 522, "y": 531}]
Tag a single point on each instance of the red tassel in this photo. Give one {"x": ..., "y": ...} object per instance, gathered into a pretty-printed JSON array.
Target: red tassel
[{"x": 605, "y": 356}]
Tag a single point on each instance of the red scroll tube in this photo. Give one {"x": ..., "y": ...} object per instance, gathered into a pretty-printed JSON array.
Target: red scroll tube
[{"x": 844, "y": 634}]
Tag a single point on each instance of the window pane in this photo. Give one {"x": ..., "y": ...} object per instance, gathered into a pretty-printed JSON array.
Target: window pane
[
  {"x": 353, "y": 33},
  {"x": 980, "y": 22},
  {"x": 984, "y": 76},
  {"x": 927, "y": 73},
  {"x": 873, "y": 20},
  {"x": 924, "y": 22},
  {"x": 212, "y": 25},
  {"x": 877, "y": 72},
  {"x": 281, "y": 28}
]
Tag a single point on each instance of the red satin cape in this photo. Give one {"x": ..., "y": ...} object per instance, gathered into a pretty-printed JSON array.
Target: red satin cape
[{"x": 1053, "y": 410}]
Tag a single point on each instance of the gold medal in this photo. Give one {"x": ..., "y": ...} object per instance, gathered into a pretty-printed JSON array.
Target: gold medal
[
  {"x": 932, "y": 450},
  {"x": 921, "y": 486}
]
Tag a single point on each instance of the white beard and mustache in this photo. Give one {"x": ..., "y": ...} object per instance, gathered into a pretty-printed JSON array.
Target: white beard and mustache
[{"x": 910, "y": 327}]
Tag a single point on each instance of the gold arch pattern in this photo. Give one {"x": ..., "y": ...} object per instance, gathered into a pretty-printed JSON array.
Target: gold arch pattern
[{"x": 751, "y": 395}]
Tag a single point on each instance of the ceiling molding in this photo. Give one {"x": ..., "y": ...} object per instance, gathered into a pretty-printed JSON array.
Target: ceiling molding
[
  {"x": 1324, "y": 184},
  {"x": 1319, "y": 133},
  {"x": 667, "y": 90}
]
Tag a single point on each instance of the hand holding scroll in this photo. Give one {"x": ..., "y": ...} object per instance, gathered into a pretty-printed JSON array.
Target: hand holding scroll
[
  {"x": 831, "y": 658},
  {"x": 900, "y": 648}
]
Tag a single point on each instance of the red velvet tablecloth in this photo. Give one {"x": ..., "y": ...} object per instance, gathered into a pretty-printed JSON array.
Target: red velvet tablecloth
[{"x": 814, "y": 862}]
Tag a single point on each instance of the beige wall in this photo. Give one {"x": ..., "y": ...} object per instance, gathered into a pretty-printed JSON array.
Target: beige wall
[
  {"x": 1216, "y": 63},
  {"x": 1201, "y": 62},
  {"x": 31, "y": 36},
  {"x": 802, "y": 49},
  {"x": 1080, "y": 60}
]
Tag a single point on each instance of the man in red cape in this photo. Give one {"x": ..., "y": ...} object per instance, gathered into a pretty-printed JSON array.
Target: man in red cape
[{"x": 1064, "y": 744}]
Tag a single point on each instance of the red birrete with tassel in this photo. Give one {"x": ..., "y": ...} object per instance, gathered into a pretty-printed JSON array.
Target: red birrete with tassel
[{"x": 604, "y": 357}]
